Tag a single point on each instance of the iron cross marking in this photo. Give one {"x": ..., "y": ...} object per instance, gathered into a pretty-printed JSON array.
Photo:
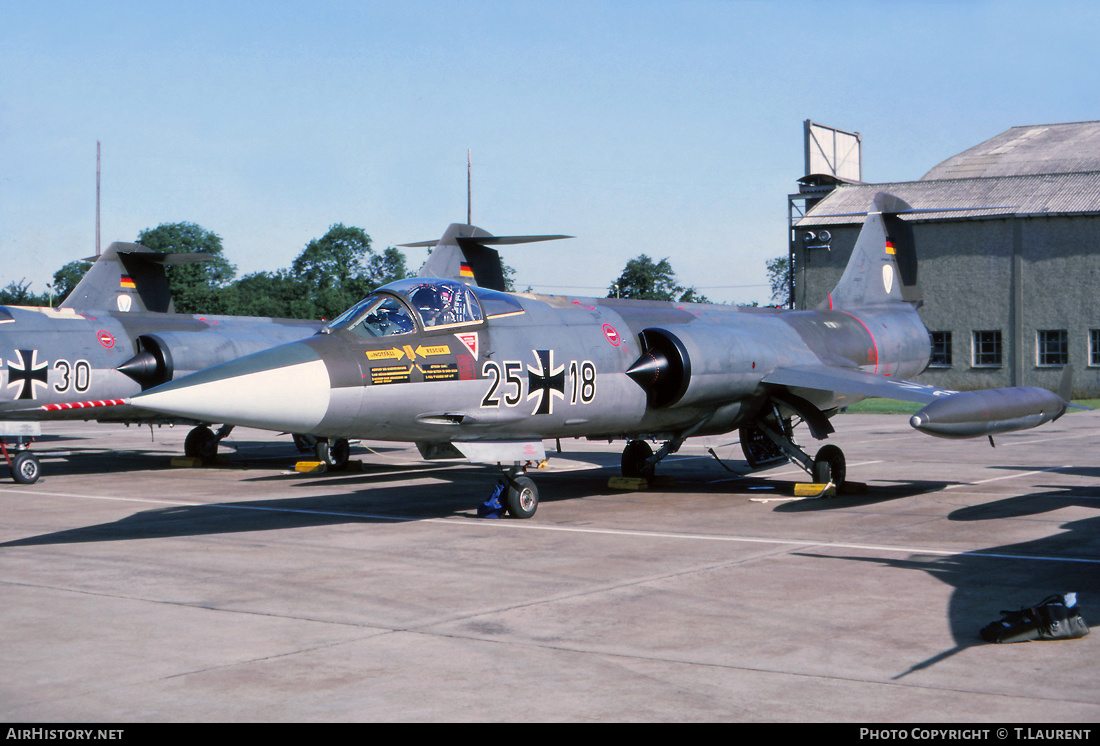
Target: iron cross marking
[
  {"x": 545, "y": 382},
  {"x": 27, "y": 372}
]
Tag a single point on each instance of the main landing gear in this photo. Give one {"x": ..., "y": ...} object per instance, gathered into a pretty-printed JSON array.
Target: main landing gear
[
  {"x": 25, "y": 468},
  {"x": 334, "y": 453},
  {"x": 769, "y": 440},
  {"x": 639, "y": 460},
  {"x": 202, "y": 442},
  {"x": 765, "y": 441}
]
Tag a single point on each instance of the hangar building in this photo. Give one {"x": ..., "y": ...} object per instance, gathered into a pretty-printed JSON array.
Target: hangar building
[{"x": 1009, "y": 270}]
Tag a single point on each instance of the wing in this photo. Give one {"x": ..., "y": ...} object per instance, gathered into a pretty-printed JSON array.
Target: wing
[{"x": 854, "y": 381}]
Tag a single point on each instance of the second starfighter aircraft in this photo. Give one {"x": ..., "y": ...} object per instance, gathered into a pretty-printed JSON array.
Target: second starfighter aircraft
[
  {"x": 115, "y": 335},
  {"x": 466, "y": 370}
]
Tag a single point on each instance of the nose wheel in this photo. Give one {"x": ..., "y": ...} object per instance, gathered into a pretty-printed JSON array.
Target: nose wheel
[{"x": 523, "y": 497}]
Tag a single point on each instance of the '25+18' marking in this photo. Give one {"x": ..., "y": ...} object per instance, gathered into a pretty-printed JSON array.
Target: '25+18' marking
[{"x": 544, "y": 382}]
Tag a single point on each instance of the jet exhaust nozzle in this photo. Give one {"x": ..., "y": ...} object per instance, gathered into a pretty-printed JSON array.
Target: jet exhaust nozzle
[
  {"x": 973, "y": 414},
  {"x": 145, "y": 368}
]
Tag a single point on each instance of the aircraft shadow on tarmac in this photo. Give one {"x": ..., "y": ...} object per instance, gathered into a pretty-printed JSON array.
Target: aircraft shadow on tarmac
[
  {"x": 367, "y": 496},
  {"x": 985, "y": 581},
  {"x": 1011, "y": 576}
]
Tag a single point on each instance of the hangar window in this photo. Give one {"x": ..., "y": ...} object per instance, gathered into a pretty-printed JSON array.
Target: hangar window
[
  {"x": 941, "y": 350},
  {"x": 1094, "y": 347},
  {"x": 1053, "y": 347},
  {"x": 987, "y": 349}
]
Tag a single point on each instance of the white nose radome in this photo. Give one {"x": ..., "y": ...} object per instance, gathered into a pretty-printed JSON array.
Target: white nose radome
[{"x": 285, "y": 388}]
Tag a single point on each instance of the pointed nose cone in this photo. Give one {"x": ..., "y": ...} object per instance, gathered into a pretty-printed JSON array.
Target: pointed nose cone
[{"x": 285, "y": 388}]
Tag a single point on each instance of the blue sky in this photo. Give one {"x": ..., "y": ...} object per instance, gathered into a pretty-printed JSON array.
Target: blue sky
[{"x": 667, "y": 128}]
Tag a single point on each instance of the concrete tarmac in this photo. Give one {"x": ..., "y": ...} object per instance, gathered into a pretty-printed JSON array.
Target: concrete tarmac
[{"x": 134, "y": 591}]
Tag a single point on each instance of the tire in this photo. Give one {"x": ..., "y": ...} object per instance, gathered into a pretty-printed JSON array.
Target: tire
[
  {"x": 523, "y": 497},
  {"x": 201, "y": 443},
  {"x": 829, "y": 466},
  {"x": 25, "y": 468},
  {"x": 334, "y": 453},
  {"x": 635, "y": 456}
]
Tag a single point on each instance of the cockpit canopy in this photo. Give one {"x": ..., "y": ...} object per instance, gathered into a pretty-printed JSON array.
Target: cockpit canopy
[{"x": 385, "y": 312}]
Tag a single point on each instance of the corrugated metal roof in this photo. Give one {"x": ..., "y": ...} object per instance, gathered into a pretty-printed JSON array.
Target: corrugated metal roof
[
  {"x": 953, "y": 199},
  {"x": 1028, "y": 150}
]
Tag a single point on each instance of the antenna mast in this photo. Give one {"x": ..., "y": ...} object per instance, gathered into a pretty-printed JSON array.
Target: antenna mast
[
  {"x": 469, "y": 210},
  {"x": 97, "y": 162}
]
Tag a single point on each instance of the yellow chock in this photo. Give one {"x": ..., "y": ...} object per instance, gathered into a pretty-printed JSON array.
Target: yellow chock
[
  {"x": 853, "y": 488},
  {"x": 628, "y": 483},
  {"x": 310, "y": 467},
  {"x": 662, "y": 480},
  {"x": 187, "y": 461},
  {"x": 802, "y": 489}
]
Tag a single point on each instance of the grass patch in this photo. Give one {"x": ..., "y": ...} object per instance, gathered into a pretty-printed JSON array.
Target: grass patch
[{"x": 884, "y": 406}]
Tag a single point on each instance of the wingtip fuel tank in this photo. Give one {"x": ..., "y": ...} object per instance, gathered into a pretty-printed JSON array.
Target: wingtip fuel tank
[{"x": 973, "y": 414}]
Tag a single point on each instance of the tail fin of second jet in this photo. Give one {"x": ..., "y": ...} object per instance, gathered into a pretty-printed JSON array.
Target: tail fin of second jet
[
  {"x": 463, "y": 254},
  {"x": 128, "y": 277}
]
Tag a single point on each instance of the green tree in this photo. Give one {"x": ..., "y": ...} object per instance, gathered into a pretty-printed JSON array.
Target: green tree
[
  {"x": 644, "y": 279},
  {"x": 276, "y": 294},
  {"x": 195, "y": 286},
  {"x": 19, "y": 294},
  {"x": 387, "y": 268},
  {"x": 68, "y": 277},
  {"x": 340, "y": 268},
  {"x": 779, "y": 279}
]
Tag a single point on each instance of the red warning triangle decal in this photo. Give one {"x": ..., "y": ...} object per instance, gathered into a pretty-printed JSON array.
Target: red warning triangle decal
[{"x": 470, "y": 340}]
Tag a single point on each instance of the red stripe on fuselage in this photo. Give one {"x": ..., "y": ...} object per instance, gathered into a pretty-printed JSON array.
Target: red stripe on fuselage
[{"x": 874, "y": 344}]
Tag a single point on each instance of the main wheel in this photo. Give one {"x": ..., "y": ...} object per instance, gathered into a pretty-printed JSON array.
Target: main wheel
[
  {"x": 523, "y": 497},
  {"x": 829, "y": 466},
  {"x": 635, "y": 457},
  {"x": 25, "y": 468},
  {"x": 201, "y": 443},
  {"x": 334, "y": 453}
]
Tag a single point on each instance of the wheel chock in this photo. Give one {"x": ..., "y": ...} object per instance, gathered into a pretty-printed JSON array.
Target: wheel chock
[
  {"x": 634, "y": 484},
  {"x": 811, "y": 489},
  {"x": 311, "y": 467},
  {"x": 628, "y": 483},
  {"x": 853, "y": 488},
  {"x": 194, "y": 462}
]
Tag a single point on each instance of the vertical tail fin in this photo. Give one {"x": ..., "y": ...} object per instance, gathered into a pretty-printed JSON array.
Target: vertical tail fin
[
  {"x": 883, "y": 266},
  {"x": 463, "y": 254},
  {"x": 128, "y": 277}
]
